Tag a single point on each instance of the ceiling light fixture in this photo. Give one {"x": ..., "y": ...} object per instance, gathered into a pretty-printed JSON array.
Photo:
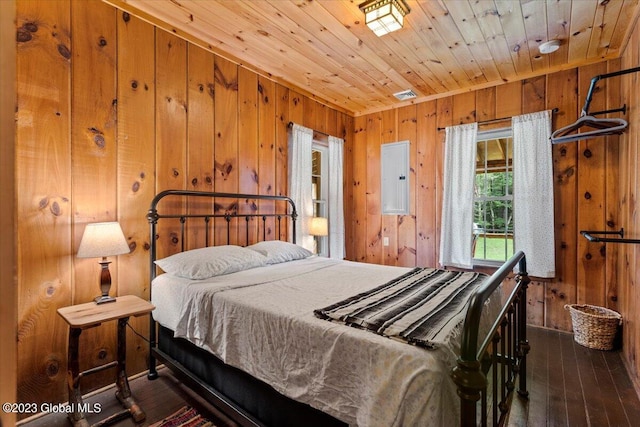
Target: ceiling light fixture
[
  {"x": 549, "y": 46},
  {"x": 384, "y": 16}
]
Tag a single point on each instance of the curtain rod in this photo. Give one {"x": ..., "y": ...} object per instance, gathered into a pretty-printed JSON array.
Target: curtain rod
[
  {"x": 502, "y": 119},
  {"x": 314, "y": 131}
]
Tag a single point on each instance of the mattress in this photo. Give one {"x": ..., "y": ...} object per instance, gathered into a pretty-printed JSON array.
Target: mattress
[{"x": 261, "y": 321}]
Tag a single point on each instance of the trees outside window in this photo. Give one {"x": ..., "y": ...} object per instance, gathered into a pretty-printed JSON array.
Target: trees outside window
[{"x": 493, "y": 197}]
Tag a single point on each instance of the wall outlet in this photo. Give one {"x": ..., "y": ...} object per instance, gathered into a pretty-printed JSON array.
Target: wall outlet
[{"x": 385, "y": 241}]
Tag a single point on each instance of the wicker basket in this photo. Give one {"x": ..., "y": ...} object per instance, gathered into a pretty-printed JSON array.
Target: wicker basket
[{"x": 593, "y": 326}]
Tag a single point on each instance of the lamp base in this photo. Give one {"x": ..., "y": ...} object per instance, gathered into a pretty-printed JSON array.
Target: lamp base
[{"x": 103, "y": 299}]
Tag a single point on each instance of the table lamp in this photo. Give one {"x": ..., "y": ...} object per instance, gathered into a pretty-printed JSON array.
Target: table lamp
[
  {"x": 318, "y": 226},
  {"x": 100, "y": 240}
]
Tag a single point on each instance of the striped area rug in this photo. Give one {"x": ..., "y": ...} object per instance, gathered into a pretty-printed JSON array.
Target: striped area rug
[{"x": 185, "y": 417}]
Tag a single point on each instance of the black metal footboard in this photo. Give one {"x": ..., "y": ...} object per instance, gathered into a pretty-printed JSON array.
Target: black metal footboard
[{"x": 499, "y": 357}]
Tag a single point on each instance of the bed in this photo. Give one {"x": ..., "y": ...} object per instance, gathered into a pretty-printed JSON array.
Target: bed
[{"x": 261, "y": 342}]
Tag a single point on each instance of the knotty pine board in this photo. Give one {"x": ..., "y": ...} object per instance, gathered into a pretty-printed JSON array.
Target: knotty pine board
[
  {"x": 390, "y": 253},
  {"x": 533, "y": 91},
  {"x": 348, "y": 179},
  {"x": 136, "y": 167},
  {"x": 444, "y": 117},
  {"x": 171, "y": 131},
  {"x": 464, "y": 108},
  {"x": 374, "y": 249},
  {"x": 226, "y": 143},
  {"x": 509, "y": 101},
  {"x": 426, "y": 202},
  {"x": 43, "y": 190},
  {"x": 248, "y": 163},
  {"x": 296, "y": 113},
  {"x": 562, "y": 93},
  {"x": 359, "y": 186},
  {"x": 612, "y": 191},
  {"x": 629, "y": 266},
  {"x": 266, "y": 160},
  {"x": 407, "y": 125},
  {"x": 94, "y": 158},
  {"x": 591, "y": 195},
  {"x": 296, "y": 108},
  {"x": 200, "y": 138},
  {"x": 93, "y": 137},
  {"x": 281, "y": 149},
  {"x": 315, "y": 115},
  {"x": 486, "y": 104},
  {"x": 8, "y": 291}
]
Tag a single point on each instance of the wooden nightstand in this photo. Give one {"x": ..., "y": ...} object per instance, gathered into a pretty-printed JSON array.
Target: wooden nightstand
[{"x": 89, "y": 315}]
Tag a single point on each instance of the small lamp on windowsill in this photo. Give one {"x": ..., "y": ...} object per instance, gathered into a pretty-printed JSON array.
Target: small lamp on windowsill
[
  {"x": 318, "y": 226},
  {"x": 100, "y": 240}
]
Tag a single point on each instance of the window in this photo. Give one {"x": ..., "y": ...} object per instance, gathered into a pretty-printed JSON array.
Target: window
[
  {"x": 493, "y": 197},
  {"x": 320, "y": 189}
]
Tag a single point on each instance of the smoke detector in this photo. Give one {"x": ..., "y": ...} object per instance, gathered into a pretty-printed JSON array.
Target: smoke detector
[
  {"x": 549, "y": 46},
  {"x": 405, "y": 94}
]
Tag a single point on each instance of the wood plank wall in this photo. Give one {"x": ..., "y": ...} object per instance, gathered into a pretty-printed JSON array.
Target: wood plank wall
[
  {"x": 8, "y": 293},
  {"x": 121, "y": 110},
  {"x": 586, "y": 185},
  {"x": 112, "y": 110},
  {"x": 628, "y": 270}
]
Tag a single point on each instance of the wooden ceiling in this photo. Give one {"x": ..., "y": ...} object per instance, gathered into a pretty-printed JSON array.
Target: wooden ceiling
[{"x": 323, "y": 47}]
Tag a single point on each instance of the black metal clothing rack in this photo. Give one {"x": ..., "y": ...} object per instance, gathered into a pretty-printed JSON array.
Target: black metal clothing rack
[
  {"x": 589, "y": 235},
  {"x": 596, "y": 79}
]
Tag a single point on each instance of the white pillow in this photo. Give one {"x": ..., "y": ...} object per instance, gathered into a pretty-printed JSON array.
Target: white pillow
[
  {"x": 278, "y": 251},
  {"x": 211, "y": 261}
]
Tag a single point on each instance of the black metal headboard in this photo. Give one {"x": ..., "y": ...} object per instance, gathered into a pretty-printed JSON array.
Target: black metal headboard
[
  {"x": 217, "y": 211},
  {"x": 287, "y": 210}
]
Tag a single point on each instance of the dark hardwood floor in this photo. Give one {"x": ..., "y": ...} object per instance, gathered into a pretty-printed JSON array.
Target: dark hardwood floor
[
  {"x": 159, "y": 399},
  {"x": 569, "y": 385}
]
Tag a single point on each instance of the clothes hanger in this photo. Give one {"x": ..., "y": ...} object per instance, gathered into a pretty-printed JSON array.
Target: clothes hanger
[{"x": 602, "y": 127}]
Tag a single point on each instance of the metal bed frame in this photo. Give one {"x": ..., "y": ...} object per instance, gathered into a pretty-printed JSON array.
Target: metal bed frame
[{"x": 498, "y": 359}]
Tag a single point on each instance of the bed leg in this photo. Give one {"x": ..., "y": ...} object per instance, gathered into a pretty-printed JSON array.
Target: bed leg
[
  {"x": 522, "y": 389},
  {"x": 523, "y": 345},
  {"x": 153, "y": 372},
  {"x": 471, "y": 382}
]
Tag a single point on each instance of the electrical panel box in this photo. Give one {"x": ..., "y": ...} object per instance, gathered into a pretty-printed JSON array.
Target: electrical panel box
[{"x": 395, "y": 178}]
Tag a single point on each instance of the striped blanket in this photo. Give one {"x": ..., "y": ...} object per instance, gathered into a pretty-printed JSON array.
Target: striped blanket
[{"x": 420, "y": 307}]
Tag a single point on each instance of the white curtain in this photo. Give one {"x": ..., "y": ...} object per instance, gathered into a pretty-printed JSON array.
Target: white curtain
[
  {"x": 457, "y": 203},
  {"x": 336, "y": 211},
  {"x": 300, "y": 144},
  {"x": 533, "y": 212}
]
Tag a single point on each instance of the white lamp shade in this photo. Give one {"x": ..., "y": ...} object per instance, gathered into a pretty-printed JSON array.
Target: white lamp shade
[
  {"x": 319, "y": 226},
  {"x": 102, "y": 239}
]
